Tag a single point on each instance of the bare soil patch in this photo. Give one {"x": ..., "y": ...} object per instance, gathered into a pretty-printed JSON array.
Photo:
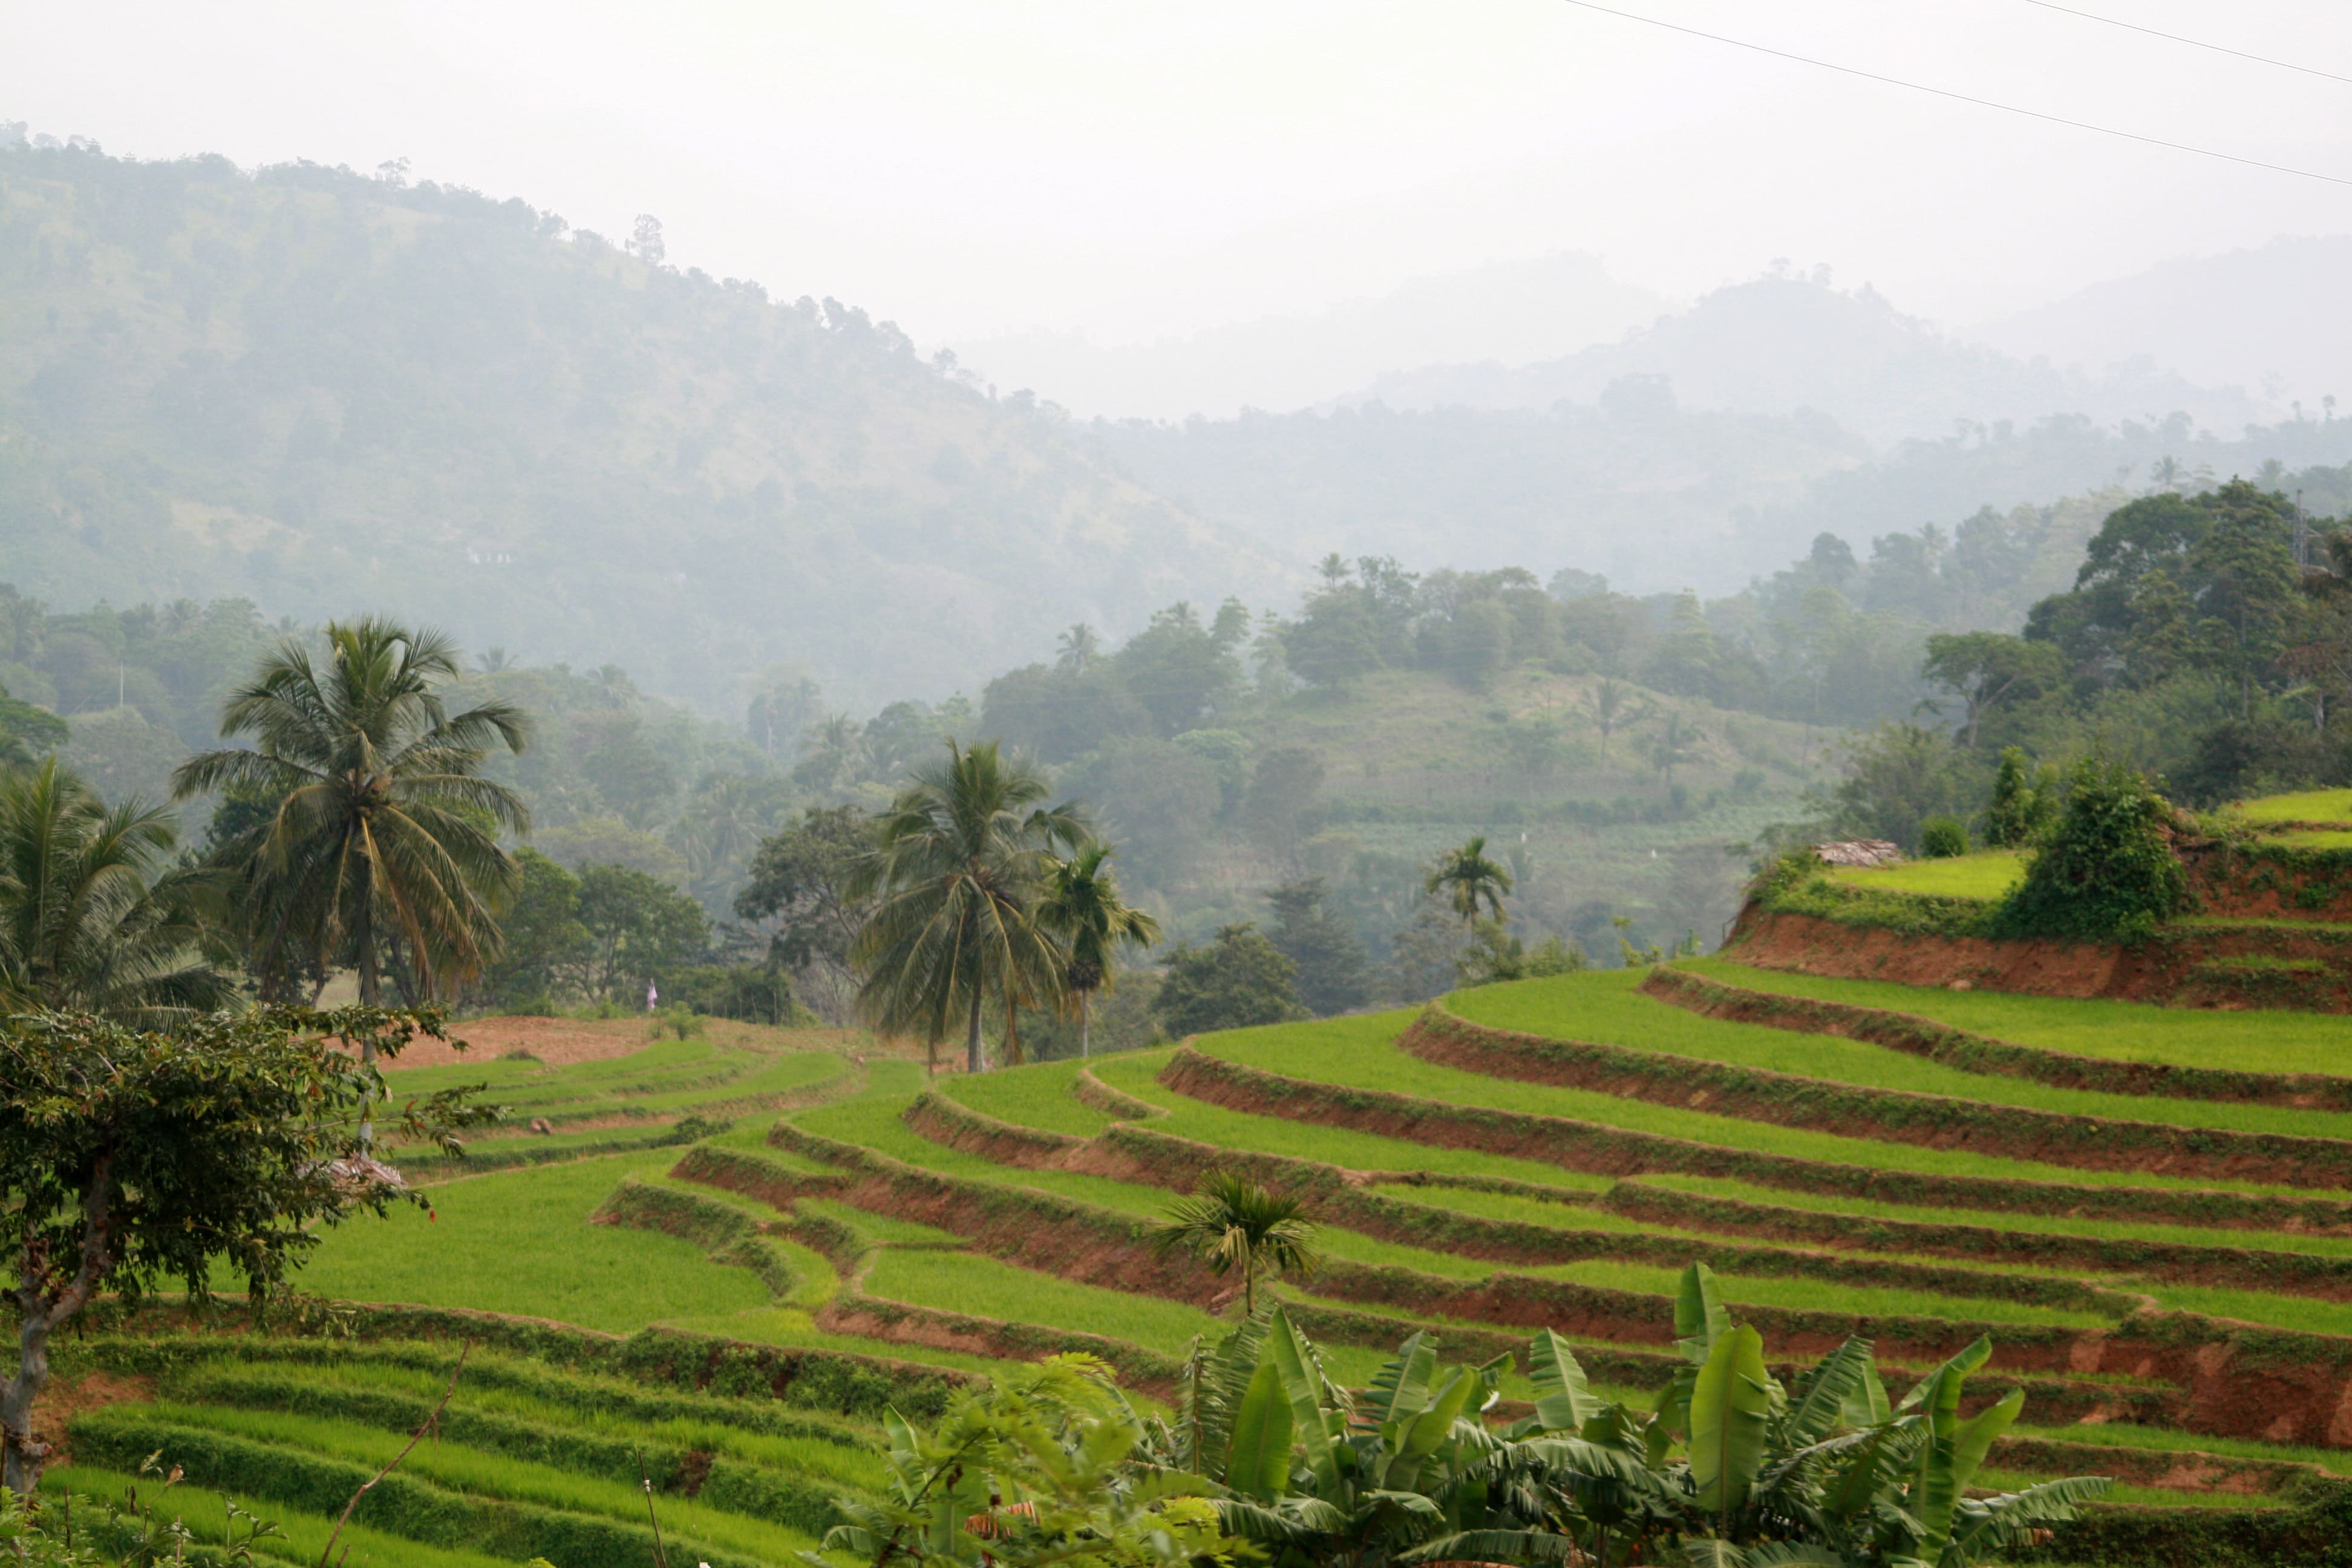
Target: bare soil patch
[{"x": 66, "y": 1397}]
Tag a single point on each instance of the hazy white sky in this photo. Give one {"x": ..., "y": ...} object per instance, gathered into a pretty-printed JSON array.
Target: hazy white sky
[{"x": 1137, "y": 170}]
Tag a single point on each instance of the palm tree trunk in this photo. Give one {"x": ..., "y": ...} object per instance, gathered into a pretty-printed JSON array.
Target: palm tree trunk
[
  {"x": 371, "y": 989},
  {"x": 975, "y": 1060},
  {"x": 1082, "y": 1051}
]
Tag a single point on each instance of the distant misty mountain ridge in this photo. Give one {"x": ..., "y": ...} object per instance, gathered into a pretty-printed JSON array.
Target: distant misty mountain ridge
[
  {"x": 1777, "y": 344},
  {"x": 329, "y": 394},
  {"x": 2230, "y": 340}
]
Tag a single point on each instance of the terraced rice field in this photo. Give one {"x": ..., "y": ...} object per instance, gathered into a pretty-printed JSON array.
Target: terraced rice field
[
  {"x": 2142, "y": 1208},
  {"x": 529, "y": 1461}
]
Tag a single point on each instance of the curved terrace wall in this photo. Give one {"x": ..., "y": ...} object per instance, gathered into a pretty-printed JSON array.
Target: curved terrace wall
[
  {"x": 2183, "y": 965},
  {"x": 1894, "y": 1116},
  {"x": 1970, "y": 1052}
]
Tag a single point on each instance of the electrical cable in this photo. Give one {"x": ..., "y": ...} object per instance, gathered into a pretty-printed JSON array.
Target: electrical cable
[
  {"x": 1958, "y": 96},
  {"x": 2195, "y": 42}
]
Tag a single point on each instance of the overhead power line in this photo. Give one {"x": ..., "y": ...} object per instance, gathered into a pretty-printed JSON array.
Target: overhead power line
[
  {"x": 1958, "y": 97},
  {"x": 2194, "y": 43}
]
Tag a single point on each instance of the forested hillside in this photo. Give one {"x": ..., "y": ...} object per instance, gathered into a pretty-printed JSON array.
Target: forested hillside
[{"x": 319, "y": 389}]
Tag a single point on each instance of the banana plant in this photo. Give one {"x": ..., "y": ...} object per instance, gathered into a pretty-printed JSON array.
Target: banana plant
[{"x": 1038, "y": 1471}]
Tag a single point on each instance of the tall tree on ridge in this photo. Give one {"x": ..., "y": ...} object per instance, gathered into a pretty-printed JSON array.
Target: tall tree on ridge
[
  {"x": 1470, "y": 879},
  {"x": 958, "y": 861},
  {"x": 380, "y": 847},
  {"x": 1082, "y": 907}
]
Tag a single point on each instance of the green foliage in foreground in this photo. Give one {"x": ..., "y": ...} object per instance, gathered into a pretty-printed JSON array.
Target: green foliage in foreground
[{"x": 1730, "y": 1467}]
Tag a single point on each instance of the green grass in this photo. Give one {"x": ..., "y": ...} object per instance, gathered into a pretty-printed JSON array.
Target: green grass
[
  {"x": 302, "y": 1537},
  {"x": 2303, "y": 1313},
  {"x": 1360, "y": 1052},
  {"x": 477, "y": 1473},
  {"x": 849, "y": 1462},
  {"x": 520, "y": 1241},
  {"x": 2044, "y": 1225},
  {"x": 657, "y": 1065},
  {"x": 2312, "y": 838},
  {"x": 871, "y": 1124},
  {"x": 2258, "y": 1041},
  {"x": 1987, "y": 875},
  {"x": 1205, "y": 1123},
  {"x": 967, "y": 1282},
  {"x": 1821, "y": 1295},
  {"x": 2165, "y": 1440},
  {"x": 1035, "y": 1095},
  {"x": 2306, "y": 806},
  {"x": 1605, "y": 1007},
  {"x": 1513, "y": 1206}
]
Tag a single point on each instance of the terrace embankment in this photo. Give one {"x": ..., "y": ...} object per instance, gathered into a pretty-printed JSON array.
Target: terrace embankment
[
  {"x": 1894, "y": 1116},
  {"x": 2304, "y": 966},
  {"x": 2324, "y": 1277},
  {"x": 2265, "y": 877},
  {"x": 1343, "y": 1198},
  {"x": 1601, "y": 1149},
  {"x": 2224, "y": 1378},
  {"x": 1970, "y": 1052}
]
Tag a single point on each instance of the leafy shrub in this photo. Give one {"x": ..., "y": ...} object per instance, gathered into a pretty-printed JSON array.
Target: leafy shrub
[
  {"x": 2023, "y": 802},
  {"x": 2107, "y": 872},
  {"x": 1942, "y": 837},
  {"x": 679, "y": 1020}
]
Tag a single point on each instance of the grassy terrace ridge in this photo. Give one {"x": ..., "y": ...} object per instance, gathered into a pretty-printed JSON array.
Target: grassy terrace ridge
[
  {"x": 2272, "y": 1041},
  {"x": 1788, "y": 1288},
  {"x": 1989, "y": 875},
  {"x": 1605, "y": 1006},
  {"x": 2304, "y": 805},
  {"x": 2280, "y": 1306},
  {"x": 1360, "y": 1052}
]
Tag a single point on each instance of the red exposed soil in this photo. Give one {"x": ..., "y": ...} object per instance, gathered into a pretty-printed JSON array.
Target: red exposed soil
[
  {"x": 559, "y": 1042},
  {"x": 66, "y": 1397},
  {"x": 2164, "y": 971},
  {"x": 2237, "y": 885}
]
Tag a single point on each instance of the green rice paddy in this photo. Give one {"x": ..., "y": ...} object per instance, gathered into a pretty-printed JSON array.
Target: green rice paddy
[
  {"x": 1605, "y": 1007},
  {"x": 1987, "y": 875},
  {"x": 2254, "y": 1041},
  {"x": 2306, "y": 806}
]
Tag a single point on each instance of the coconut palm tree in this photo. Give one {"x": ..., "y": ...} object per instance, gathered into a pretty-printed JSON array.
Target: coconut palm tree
[
  {"x": 93, "y": 919},
  {"x": 1230, "y": 1222},
  {"x": 1470, "y": 879},
  {"x": 376, "y": 841},
  {"x": 957, "y": 869},
  {"x": 1083, "y": 909}
]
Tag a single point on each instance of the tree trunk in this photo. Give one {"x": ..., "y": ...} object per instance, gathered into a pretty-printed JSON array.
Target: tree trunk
[
  {"x": 1084, "y": 1052},
  {"x": 41, "y": 1315},
  {"x": 16, "y": 1397},
  {"x": 371, "y": 988},
  {"x": 974, "y": 1059}
]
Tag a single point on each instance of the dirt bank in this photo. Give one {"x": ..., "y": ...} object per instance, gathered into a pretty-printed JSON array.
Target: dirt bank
[{"x": 2183, "y": 967}]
